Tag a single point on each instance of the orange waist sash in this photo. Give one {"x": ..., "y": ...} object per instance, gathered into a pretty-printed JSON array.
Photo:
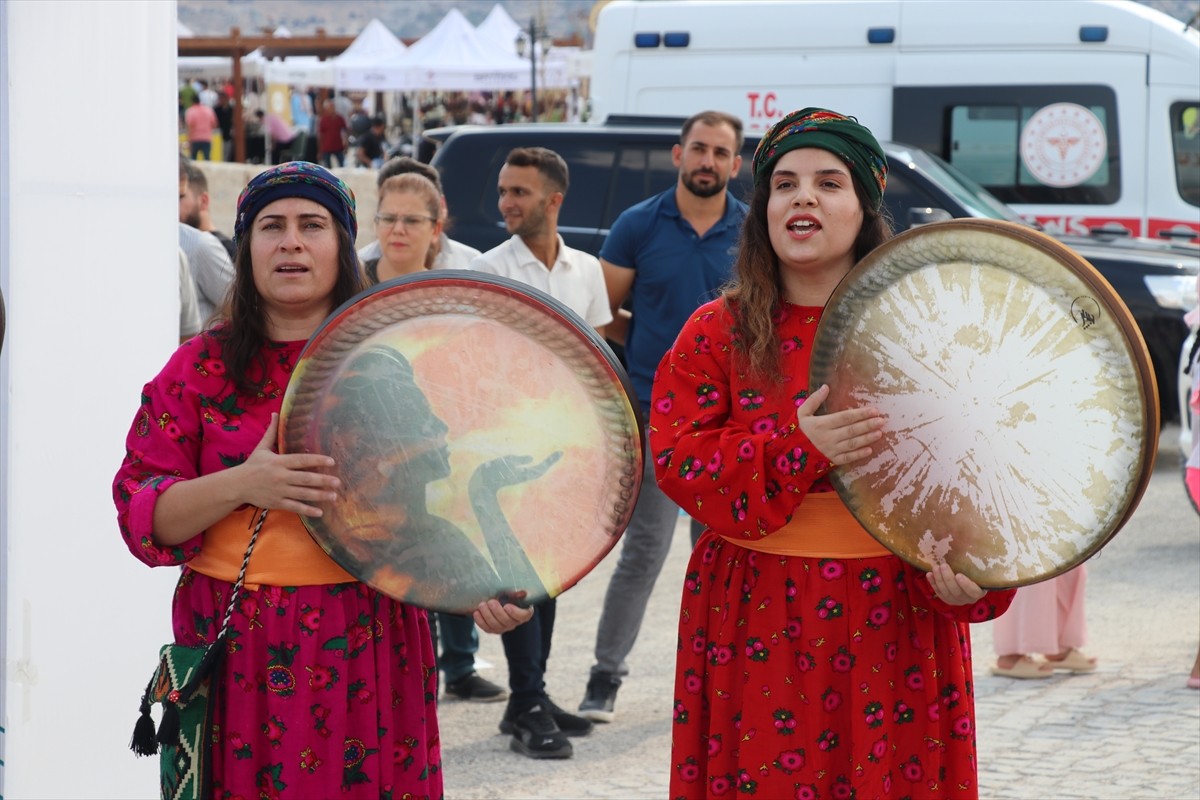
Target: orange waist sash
[
  {"x": 284, "y": 555},
  {"x": 821, "y": 527}
]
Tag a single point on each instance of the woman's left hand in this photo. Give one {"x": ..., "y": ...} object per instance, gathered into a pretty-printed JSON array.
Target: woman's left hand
[
  {"x": 492, "y": 616},
  {"x": 953, "y": 588}
]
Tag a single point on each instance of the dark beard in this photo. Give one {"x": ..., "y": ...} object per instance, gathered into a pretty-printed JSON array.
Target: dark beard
[
  {"x": 193, "y": 220},
  {"x": 716, "y": 188}
]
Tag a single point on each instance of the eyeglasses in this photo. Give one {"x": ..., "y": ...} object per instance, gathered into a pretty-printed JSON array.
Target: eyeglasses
[{"x": 406, "y": 222}]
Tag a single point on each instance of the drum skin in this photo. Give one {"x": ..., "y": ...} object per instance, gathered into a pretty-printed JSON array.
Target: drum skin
[
  {"x": 486, "y": 438},
  {"x": 1020, "y": 403}
]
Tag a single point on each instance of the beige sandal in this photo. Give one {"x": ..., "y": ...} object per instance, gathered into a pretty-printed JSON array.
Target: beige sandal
[
  {"x": 1074, "y": 661},
  {"x": 1024, "y": 667}
]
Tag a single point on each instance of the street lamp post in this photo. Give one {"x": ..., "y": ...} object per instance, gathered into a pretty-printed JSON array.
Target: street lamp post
[{"x": 537, "y": 39}]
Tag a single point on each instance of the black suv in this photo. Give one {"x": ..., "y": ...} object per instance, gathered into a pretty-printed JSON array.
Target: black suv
[{"x": 624, "y": 161}]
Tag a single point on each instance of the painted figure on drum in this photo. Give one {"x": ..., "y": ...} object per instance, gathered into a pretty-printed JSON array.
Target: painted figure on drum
[
  {"x": 391, "y": 446},
  {"x": 812, "y": 661}
]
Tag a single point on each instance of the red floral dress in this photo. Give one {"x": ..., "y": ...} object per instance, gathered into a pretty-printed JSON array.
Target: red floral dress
[
  {"x": 327, "y": 691},
  {"x": 796, "y": 677}
]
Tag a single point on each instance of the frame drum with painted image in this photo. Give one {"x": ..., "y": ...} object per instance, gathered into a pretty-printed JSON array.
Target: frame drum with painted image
[{"x": 486, "y": 438}]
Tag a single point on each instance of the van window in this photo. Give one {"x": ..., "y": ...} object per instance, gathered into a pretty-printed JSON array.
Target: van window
[
  {"x": 1071, "y": 149},
  {"x": 985, "y": 143},
  {"x": 1185, "y": 133},
  {"x": 591, "y": 171},
  {"x": 642, "y": 171}
]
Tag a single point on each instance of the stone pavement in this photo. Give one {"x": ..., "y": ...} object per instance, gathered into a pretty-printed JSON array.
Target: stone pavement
[{"x": 1129, "y": 730}]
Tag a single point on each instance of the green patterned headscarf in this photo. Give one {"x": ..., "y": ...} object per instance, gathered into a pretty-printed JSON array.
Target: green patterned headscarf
[{"x": 841, "y": 135}]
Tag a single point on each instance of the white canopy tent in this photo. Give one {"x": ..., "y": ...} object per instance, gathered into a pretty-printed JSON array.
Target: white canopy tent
[
  {"x": 291, "y": 70},
  {"x": 209, "y": 68},
  {"x": 452, "y": 57},
  {"x": 556, "y": 69},
  {"x": 358, "y": 67}
]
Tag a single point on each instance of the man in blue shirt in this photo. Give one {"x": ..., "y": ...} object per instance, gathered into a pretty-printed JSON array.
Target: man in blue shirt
[{"x": 668, "y": 255}]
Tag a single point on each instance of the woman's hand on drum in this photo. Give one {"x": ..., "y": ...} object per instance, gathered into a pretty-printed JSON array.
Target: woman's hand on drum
[
  {"x": 843, "y": 436},
  {"x": 492, "y": 616},
  {"x": 290, "y": 482},
  {"x": 953, "y": 588}
]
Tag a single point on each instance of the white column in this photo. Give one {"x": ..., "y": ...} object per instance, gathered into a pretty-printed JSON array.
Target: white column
[{"x": 89, "y": 271}]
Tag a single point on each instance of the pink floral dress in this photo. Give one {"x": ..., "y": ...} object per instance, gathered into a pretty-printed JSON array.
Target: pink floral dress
[
  {"x": 327, "y": 691},
  {"x": 796, "y": 677}
]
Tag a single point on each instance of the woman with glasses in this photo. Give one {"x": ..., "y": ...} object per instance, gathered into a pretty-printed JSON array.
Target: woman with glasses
[{"x": 407, "y": 225}]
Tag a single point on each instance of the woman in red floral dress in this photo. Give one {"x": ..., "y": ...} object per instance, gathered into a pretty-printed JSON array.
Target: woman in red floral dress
[
  {"x": 327, "y": 688},
  {"x": 812, "y": 663}
]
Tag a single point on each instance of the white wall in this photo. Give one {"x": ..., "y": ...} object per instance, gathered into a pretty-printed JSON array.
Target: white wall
[{"x": 88, "y": 267}]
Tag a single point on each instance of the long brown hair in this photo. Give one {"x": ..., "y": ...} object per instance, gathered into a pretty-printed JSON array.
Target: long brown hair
[
  {"x": 755, "y": 295},
  {"x": 243, "y": 333}
]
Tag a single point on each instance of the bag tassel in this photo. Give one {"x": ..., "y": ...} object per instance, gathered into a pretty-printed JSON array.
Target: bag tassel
[
  {"x": 168, "y": 727},
  {"x": 143, "y": 742}
]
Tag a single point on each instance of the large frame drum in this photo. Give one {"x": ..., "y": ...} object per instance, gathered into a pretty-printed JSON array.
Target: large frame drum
[
  {"x": 1022, "y": 412},
  {"x": 487, "y": 440}
]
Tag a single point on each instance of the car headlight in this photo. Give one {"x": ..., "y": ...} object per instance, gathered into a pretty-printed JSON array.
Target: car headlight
[{"x": 1172, "y": 291}]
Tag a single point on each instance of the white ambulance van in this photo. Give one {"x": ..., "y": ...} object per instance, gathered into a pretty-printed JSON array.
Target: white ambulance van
[{"x": 1081, "y": 114}]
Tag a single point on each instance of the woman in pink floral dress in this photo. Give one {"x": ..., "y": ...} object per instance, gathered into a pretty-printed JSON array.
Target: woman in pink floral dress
[
  {"x": 327, "y": 687},
  {"x": 812, "y": 663}
]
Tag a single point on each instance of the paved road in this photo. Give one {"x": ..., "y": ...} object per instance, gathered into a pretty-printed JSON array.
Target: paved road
[{"x": 1129, "y": 730}]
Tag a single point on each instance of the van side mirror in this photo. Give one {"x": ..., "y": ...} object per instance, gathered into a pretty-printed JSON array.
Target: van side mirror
[{"x": 923, "y": 216}]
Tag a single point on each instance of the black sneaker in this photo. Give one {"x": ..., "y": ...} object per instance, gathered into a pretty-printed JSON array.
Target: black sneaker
[
  {"x": 476, "y": 689},
  {"x": 600, "y": 697},
  {"x": 568, "y": 723},
  {"x": 535, "y": 734}
]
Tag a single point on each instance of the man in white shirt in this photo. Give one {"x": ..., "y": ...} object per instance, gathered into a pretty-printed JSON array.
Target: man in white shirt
[{"x": 532, "y": 185}]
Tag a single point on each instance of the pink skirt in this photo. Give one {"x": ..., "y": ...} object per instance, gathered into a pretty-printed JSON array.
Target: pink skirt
[{"x": 326, "y": 691}]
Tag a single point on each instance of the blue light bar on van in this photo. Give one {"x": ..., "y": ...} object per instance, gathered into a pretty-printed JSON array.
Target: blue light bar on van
[
  {"x": 646, "y": 39},
  {"x": 881, "y": 35},
  {"x": 678, "y": 39},
  {"x": 1093, "y": 33}
]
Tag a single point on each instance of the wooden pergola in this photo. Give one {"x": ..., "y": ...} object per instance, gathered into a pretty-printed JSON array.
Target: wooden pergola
[{"x": 235, "y": 46}]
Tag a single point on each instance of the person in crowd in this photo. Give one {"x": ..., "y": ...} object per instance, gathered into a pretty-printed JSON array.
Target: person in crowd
[
  {"x": 408, "y": 220},
  {"x": 812, "y": 662},
  {"x": 1191, "y": 467},
  {"x": 208, "y": 95},
  {"x": 187, "y": 96},
  {"x": 372, "y": 145},
  {"x": 448, "y": 254},
  {"x": 285, "y": 140},
  {"x": 200, "y": 121},
  {"x": 1046, "y": 618},
  {"x": 210, "y": 267},
  {"x": 328, "y": 691},
  {"x": 667, "y": 254},
  {"x": 194, "y": 204},
  {"x": 256, "y": 137},
  {"x": 208, "y": 262},
  {"x": 532, "y": 185},
  {"x": 332, "y": 135},
  {"x": 189, "y": 310},
  {"x": 407, "y": 224},
  {"x": 224, "y": 111}
]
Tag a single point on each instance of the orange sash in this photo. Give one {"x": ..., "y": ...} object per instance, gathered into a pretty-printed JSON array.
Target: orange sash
[
  {"x": 285, "y": 554},
  {"x": 821, "y": 527}
]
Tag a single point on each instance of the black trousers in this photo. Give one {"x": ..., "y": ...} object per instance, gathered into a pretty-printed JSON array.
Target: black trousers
[{"x": 527, "y": 648}]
